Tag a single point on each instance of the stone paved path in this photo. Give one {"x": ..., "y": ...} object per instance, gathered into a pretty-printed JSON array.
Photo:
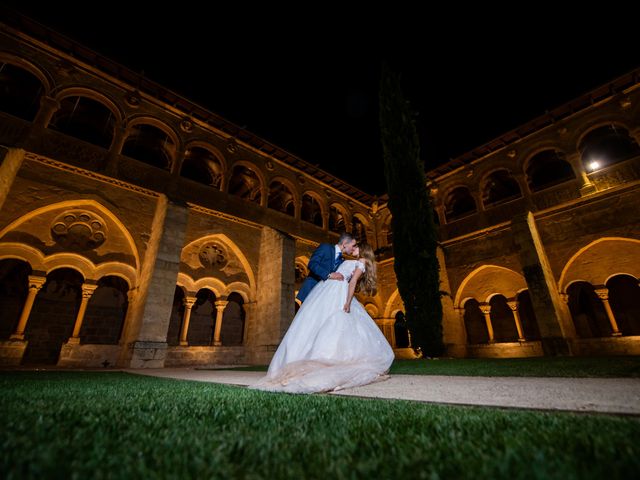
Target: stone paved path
[{"x": 605, "y": 395}]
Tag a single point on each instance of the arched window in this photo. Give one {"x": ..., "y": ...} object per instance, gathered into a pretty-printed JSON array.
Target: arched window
[
  {"x": 202, "y": 166},
  {"x": 281, "y": 198},
  {"x": 587, "y": 311},
  {"x": 606, "y": 146},
  {"x": 150, "y": 145},
  {"x": 233, "y": 319},
  {"x": 85, "y": 119},
  {"x": 358, "y": 230},
  {"x": 502, "y": 321},
  {"x": 311, "y": 211},
  {"x": 20, "y": 92},
  {"x": 500, "y": 186},
  {"x": 459, "y": 203},
  {"x": 474, "y": 323},
  {"x": 624, "y": 297},
  {"x": 337, "y": 219},
  {"x": 548, "y": 168},
  {"x": 245, "y": 183},
  {"x": 106, "y": 311}
]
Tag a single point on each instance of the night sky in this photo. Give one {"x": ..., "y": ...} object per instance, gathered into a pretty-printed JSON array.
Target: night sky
[{"x": 307, "y": 81}]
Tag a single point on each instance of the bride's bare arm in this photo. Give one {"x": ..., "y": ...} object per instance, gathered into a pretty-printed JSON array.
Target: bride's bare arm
[{"x": 352, "y": 289}]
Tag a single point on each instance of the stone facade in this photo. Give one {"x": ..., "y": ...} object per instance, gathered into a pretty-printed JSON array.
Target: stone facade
[{"x": 138, "y": 230}]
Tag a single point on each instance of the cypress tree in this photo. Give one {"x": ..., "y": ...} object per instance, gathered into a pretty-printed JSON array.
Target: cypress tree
[{"x": 415, "y": 237}]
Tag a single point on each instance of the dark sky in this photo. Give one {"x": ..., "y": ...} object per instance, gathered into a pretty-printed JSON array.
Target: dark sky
[{"x": 307, "y": 81}]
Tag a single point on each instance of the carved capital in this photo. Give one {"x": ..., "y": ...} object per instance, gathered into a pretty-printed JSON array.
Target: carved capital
[
  {"x": 36, "y": 282},
  {"x": 602, "y": 292},
  {"x": 221, "y": 305},
  {"x": 88, "y": 289},
  {"x": 188, "y": 302},
  {"x": 513, "y": 305},
  {"x": 485, "y": 308}
]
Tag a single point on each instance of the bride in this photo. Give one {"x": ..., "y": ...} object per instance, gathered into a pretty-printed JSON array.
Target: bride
[{"x": 332, "y": 342}]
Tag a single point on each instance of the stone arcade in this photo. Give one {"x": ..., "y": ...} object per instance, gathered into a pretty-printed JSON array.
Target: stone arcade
[{"x": 138, "y": 229}]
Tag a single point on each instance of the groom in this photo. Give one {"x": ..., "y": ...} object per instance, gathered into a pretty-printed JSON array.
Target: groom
[{"x": 324, "y": 262}]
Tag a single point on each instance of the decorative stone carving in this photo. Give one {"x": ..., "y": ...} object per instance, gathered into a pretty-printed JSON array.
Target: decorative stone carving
[
  {"x": 212, "y": 255},
  {"x": 133, "y": 99},
  {"x": 511, "y": 154},
  {"x": 301, "y": 180},
  {"x": 269, "y": 165},
  {"x": 232, "y": 145},
  {"x": 186, "y": 125},
  {"x": 79, "y": 230}
]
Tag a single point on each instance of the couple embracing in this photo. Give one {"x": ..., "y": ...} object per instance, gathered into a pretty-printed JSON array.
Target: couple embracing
[{"x": 332, "y": 343}]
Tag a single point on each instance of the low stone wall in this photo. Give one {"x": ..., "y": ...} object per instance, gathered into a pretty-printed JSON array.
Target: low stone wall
[
  {"x": 606, "y": 346},
  {"x": 405, "y": 354},
  {"x": 12, "y": 351},
  {"x": 88, "y": 355},
  {"x": 505, "y": 350},
  {"x": 193, "y": 356}
]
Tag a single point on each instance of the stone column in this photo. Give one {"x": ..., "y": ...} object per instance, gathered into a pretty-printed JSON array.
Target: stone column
[
  {"x": 35, "y": 284},
  {"x": 453, "y": 331},
  {"x": 117, "y": 144},
  {"x": 513, "y": 305},
  {"x": 10, "y": 162},
  {"x": 578, "y": 168},
  {"x": 176, "y": 166},
  {"x": 603, "y": 295},
  {"x": 441, "y": 216},
  {"x": 188, "y": 303},
  {"x": 87, "y": 292},
  {"x": 485, "y": 308},
  {"x": 146, "y": 337},
  {"x": 275, "y": 302},
  {"x": 48, "y": 106},
  {"x": 220, "y": 306},
  {"x": 554, "y": 321}
]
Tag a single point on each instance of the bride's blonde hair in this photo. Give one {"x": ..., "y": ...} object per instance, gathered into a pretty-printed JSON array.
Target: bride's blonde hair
[{"x": 367, "y": 283}]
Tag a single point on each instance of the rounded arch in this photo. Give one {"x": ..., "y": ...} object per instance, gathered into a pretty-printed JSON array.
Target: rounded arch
[
  {"x": 72, "y": 261},
  {"x": 339, "y": 217},
  {"x": 241, "y": 289},
  {"x": 395, "y": 296},
  {"x": 20, "y": 251},
  {"x": 145, "y": 143},
  {"x": 40, "y": 73},
  {"x": 217, "y": 155},
  {"x": 292, "y": 190},
  {"x": 76, "y": 204},
  {"x": 81, "y": 91},
  {"x": 499, "y": 185},
  {"x": 488, "y": 280},
  {"x": 212, "y": 284},
  {"x": 255, "y": 169},
  {"x": 155, "y": 122},
  {"x": 459, "y": 202},
  {"x": 601, "y": 259},
  {"x": 230, "y": 244},
  {"x": 608, "y": 119},
  {"x": 310, "y": 214},
  {"x": 372, "y": 310},
  {"x": 607, "y": 145},
  {"x": 547, "y": 167},
  {"x": 116, "y": 269}
]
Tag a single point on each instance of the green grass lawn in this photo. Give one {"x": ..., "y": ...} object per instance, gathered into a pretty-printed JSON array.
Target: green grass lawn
[
  {"x": 516, "y": 367},
  {"x": 118, "y": 425}
]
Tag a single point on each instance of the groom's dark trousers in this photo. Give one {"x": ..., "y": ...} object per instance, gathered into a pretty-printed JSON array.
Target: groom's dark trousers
[{"x": 321, "y": 264}]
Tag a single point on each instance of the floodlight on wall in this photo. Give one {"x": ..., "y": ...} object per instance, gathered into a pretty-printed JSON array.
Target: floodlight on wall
[{"x": 593, "y": 165}]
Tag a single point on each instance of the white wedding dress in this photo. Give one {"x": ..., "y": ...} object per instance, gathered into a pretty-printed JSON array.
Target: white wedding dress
[{"x": 327, "y": 349}]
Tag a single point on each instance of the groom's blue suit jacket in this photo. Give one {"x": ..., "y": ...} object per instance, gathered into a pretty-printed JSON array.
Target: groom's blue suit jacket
[{"x": 321, "y": 264}]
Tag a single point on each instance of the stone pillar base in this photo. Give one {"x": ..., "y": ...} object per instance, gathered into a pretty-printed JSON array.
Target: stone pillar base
[
  {"x": 556, "y": 347},
  {"x": 587, "y": 189},
  {"x": 146, "y": 355},
  {"x": 12, "y": 351}
]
